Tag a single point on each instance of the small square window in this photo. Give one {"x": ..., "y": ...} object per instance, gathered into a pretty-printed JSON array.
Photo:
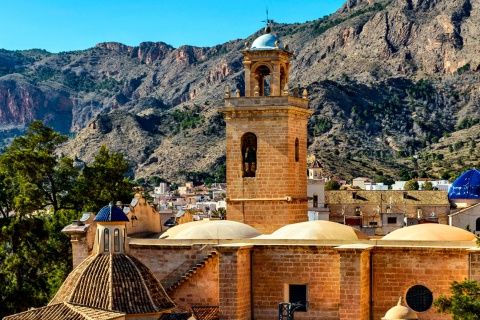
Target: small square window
[
  {"x": 392, "y": 220},
  {"x": 297, "y": 293}
]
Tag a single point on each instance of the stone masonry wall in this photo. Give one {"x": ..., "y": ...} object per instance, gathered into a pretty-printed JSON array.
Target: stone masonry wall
[
  {"x": 267, "y": 216},
  {"x": 165, "y": 260},
  {"x": 234, "y": 282},
  {"x": 80, "y": 250},
  {"x": 475, "y": 265},
  {"x": 201, "y": 289},
  {"x": 278, "y": 175},
  {"x": 275, "y": 267},
  {"x": 398, "y": 269}
]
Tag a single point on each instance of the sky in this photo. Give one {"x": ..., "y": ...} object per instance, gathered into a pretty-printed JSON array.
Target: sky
[{"x": 67, "y": 25}]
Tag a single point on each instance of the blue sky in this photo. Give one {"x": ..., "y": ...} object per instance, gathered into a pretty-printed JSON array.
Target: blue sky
[{"x": 65, "y": 25}]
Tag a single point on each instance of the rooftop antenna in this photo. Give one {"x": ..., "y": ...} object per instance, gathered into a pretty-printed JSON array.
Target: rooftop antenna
[{"x": 267, "y": 22}]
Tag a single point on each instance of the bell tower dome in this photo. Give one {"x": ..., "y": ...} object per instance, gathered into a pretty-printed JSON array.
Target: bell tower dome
[{"x": 266, "y": 141}]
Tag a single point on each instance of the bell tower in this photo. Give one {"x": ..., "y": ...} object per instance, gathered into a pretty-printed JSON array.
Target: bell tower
[{"x": 266, "y": 137}]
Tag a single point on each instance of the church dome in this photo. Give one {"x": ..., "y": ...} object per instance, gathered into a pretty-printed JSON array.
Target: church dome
[
  {"x": 266, "y": 42},
  {"x": 316, "y": 230},
  {"x": 430, "y": 232},
  {"x": 116, "y": 282},
  {"x": 400, "y": 312},
  {"x": 467, "y": 186},
  {"x": 211, "y": 229},
  {"x": 111, "y": 213}
]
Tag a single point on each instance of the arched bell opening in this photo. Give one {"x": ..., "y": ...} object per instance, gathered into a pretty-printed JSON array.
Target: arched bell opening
[
  {"x": 249, "y": 154},
  {"x": 263, "y": 80},
  {"x": 283, "y": 77}
]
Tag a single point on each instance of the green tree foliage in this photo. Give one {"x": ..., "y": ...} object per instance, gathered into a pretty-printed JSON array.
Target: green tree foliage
[
  {"x": 39, "y": 176},
  {"x": 187, "y": 118},
  {"x": 40, "y": 193},
  {"x": 321, "y": 125},
  {"x": 464, "y": 303},
  {"x": 104, "y": 181},
  {"x": 332, "y": 185},
  {"x": 427, "y": 185},
  {"x": 411, "y": 185}
]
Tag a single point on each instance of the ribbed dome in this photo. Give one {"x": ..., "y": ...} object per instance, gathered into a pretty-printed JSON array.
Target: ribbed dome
[
  {"x": 211, "y": 229},
  {"x": 316, "y": 230},
  {"x": 430, "y": 232},
  {"x": 400, "y": 312},
  {"x": 266, "y": 42},
  {"x": 467, "y": 186},
  {"x": 111, "y": 213},
  {"x": 114, "y": 282}
]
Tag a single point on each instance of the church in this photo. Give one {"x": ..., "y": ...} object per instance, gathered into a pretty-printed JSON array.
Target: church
[{"x": 267, "y": 260}]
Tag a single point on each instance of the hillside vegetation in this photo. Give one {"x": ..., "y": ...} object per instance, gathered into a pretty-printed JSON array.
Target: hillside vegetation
[{"x": 394, "y": 86}]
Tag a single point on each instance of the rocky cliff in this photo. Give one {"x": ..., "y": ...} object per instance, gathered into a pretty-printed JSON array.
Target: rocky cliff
[{"x": 389, "y": 81}]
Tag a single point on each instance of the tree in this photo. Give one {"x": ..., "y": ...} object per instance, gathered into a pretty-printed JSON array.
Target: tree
[
  {"x": 464, "y": 304},
  {"x": 39, "y": 177},
  {"x": 104, "y": 181},
  {"x": 411, "y": 185},
  {"x": 332, "y": 185},
  {"x": 427, "y": 185}
]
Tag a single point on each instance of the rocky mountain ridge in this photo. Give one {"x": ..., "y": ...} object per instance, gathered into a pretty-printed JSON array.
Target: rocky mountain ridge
[{"x": 387, "y": 80}]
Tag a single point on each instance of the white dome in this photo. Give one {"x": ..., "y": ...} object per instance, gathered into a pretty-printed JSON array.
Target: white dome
[
  {"x": 266, "y": 42},
  {"x": 431, "y": 232},
  {"x": 316, "y": 230},
  {"x": 400, "y": 312},
  {"x": 211, "y": 229}
]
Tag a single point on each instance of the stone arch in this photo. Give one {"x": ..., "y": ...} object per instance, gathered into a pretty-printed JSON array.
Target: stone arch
[
  {"x": 262, "y": 75},
  {"x": 249, "y": 154},
  {"x": 315, "y": 200}
]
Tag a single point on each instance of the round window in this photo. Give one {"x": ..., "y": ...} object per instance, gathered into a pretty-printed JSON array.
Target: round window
[{"x": 419, "y": 298}]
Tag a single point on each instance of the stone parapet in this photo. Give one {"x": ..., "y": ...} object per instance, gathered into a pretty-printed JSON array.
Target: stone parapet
[{"x": 268, "y": 101}]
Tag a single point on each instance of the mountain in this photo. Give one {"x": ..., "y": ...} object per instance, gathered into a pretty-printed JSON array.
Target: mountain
[{"x": 393, "y": 85}]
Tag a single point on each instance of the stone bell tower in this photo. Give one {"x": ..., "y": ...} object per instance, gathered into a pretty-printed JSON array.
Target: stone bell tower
[{"x": 266, "y": 141}]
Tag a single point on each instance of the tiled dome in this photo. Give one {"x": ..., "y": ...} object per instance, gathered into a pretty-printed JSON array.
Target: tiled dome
[
  {"x": 114, "y": 282},
  {"x": 467, "y": 186},
  {"x": 111, "y": 213}
]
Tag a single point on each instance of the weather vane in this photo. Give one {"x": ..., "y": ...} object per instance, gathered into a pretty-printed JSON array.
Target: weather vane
[{"x": 267, "y": 21}]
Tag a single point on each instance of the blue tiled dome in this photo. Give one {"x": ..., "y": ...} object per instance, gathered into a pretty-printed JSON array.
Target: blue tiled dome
[
  {"x": 467, "y": 186},
  {"x": 111, "y": 213}
]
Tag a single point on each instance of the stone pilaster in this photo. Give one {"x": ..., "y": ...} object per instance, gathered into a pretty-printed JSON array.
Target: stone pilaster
[
  {"x": 354, "y": 282},
  {"x": 235, "y": 281}
]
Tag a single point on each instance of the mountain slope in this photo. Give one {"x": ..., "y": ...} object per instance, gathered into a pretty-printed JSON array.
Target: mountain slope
[{"x": 387, "y": 80}]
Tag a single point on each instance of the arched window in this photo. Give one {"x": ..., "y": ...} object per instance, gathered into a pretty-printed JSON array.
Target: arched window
[
  {"x": 106, "y": 240},
  {"x": 297, "y": 155},
  {"x": 116, "y": 240},
  {"x": 477, "y": 227},
  {"x": 249, "y": 154},
  {"x": 315, "y": 200}
]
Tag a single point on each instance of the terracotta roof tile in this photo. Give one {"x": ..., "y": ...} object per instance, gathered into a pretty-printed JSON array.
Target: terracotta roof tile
[
  {"x": 114, "y": 282},
  {"x": 206, "y": 313},
  {"x": 66, "y": 311}
]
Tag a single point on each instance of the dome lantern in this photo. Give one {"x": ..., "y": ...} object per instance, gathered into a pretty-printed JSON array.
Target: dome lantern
[
  {"x": 267, "y": 63},
  {"x": 111, "y": 236}
]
